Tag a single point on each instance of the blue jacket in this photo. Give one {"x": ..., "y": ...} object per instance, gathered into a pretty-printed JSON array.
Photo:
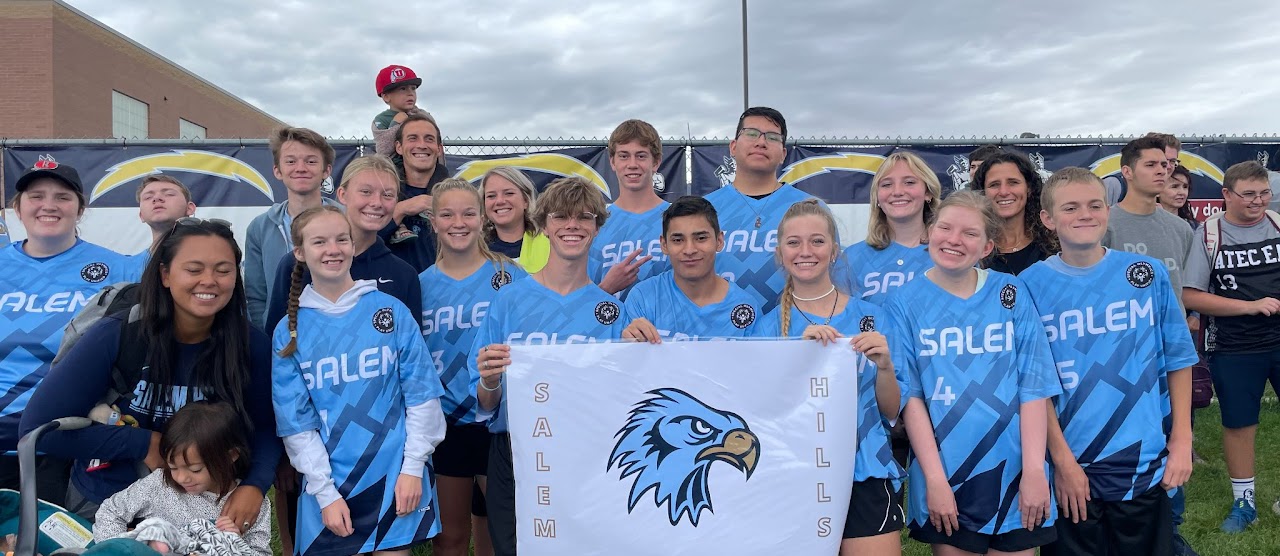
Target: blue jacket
[
  {"x": 266, "y": 241},
  {"x": 395, "y": 278}
]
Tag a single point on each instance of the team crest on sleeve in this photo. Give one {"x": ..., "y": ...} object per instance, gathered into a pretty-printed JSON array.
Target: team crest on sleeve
[
  {"x": 384, "y": 320},
  {"x": 867, "y": 324},
  {"x": 1140, "y": 274},
  {"x": 742, "y": 316},
  {"x": 668, "y": 445},
  {"x": 500, "y": 278},
  {"x": 1008, "y": 296},
  {"x": 95, "y": 272},
  {"x": 607, "y": 312}
]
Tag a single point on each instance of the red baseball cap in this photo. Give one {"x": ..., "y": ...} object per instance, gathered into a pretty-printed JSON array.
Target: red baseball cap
[{"x": 394, "y": 76}]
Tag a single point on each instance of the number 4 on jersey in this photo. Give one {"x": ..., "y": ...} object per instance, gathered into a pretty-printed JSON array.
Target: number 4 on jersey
[{"x": 943, "y": 393}]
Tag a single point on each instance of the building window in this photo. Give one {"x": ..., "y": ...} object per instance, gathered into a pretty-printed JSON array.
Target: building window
[
  {"x": 128, "y": 116},
  {"x": 190, "y": 130}
]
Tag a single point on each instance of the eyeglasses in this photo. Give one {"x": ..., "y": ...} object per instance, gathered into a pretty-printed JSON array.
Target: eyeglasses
[
  {"x": 753, "y": 134},
  {"x": 560, "y": 218},
  {"x": 1251, "y": 196}
]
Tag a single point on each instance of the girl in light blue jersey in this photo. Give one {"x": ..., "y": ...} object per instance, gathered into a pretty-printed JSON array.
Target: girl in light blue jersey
[
  {"x": 356, "y": 403},
  {"x": 904, "y": 196},
  {"x": 980, "y": 377},
  {"x": 47, "y": 278},
  {"x": 814, "y": 308},
  {"x": 456, "y": 294}
]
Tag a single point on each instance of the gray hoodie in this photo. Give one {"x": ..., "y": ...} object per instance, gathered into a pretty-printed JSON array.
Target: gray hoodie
[{"x": 265, "y": 243}]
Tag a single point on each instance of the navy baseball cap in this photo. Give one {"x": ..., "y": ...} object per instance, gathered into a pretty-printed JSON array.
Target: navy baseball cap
[{"x": 47, "y": 167}]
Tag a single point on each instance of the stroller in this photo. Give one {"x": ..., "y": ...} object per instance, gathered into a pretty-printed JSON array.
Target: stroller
[{"x": 42, "y": 527}]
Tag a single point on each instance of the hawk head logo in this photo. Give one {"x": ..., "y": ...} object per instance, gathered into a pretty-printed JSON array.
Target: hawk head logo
[{"x": 669, "y": 444}]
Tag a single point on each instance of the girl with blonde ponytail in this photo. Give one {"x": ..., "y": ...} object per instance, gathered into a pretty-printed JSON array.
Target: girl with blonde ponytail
[
  {"x": 351, "y": 358},
  {"x": 813, "y": 307},
  {"x": 456, "y": 292}
]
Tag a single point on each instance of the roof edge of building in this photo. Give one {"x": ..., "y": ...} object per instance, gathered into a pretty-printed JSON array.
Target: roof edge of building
[{"x": 179, "y": 67}]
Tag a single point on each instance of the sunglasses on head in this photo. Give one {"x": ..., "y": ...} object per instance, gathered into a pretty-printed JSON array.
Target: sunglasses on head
[{"x": 193, "y": 221}]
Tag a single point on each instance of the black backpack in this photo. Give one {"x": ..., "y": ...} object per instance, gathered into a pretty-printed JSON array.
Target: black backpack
[{"x": 120, "y": 299}]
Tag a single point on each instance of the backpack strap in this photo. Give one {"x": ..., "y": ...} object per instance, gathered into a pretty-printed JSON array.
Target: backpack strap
[
  {"x": 131, "y": 357},
  {"x": 1213, "y": 231},
  {"x": 1212, "y": 234}
]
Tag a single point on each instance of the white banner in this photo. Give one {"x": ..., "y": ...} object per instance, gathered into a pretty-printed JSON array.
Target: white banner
[{"x": 682, "y": 448}]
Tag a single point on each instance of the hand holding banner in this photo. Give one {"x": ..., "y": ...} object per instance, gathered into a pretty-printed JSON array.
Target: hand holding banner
[{"x": 683, "y": 447}]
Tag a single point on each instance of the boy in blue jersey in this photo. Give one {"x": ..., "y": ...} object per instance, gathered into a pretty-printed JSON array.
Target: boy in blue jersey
[
  {"x": 980, "y": 378},
  {"x": 1120, "y": 343},
  {"x": 558, "y": 304},
  {"x": 751, "y": 207},
  {"x": 690, "y": 301},
  {"x": 627, "y": 249}
]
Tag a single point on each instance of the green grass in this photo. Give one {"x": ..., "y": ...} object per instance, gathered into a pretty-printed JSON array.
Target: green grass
[{"x": 1208, "y": 492}]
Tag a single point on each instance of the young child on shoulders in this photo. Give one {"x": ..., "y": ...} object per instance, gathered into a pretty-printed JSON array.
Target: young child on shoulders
[{"x": 398, "y": 87}]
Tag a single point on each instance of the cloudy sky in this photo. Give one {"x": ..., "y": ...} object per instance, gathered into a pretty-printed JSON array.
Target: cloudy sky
[{"x": 518, "y": 68}]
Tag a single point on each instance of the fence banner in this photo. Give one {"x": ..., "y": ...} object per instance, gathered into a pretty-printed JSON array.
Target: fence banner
[
  {"x": 674, "y": 449},
  {"x": 842, "y": 175},
  {"x": 236, "y": 183}
]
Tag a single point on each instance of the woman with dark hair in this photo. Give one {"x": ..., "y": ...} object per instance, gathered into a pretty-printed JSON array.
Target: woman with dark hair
[
  {"x": 1174, "y": 199},
  {"x": 193, "y": 341},
  {"x": 1013, "y": 185}
]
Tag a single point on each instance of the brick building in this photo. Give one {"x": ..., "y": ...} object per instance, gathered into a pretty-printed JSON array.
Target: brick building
[{"x": 64, "y": 74}]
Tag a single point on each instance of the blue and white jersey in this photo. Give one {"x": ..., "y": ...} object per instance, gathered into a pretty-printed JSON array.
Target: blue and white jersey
[
  {"x": 1115, "y": 331},
  {"x": 527, "y": 313},
  {"x": 871, "y": 274},
  {"x": 623, "y": 233},
  {"x": 4, "y": 231},
  {"x": 750, "y": 237},
  {"x": 874, "y": 458},
  {"x": 351, "y": 379},
  {"x": 974, "y": 362},
  {"x": 38, "y": 297},
  {"x": 452, "y": 311},
  {"x": 678, "y": 319}
]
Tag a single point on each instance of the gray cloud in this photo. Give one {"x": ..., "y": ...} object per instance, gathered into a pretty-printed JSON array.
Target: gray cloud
[{"x": 835, "y": 68}]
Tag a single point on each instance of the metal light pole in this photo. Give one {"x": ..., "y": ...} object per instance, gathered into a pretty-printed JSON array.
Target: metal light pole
[{"x": 745, "y": 103}]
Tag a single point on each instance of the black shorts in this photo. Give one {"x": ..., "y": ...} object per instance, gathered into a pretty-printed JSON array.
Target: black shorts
[
  {"x": 464, "y": 452},
  {"x": 875, "y": 508},
  {"x": 1143, "y": 525},
  {"x": 1013, "y": 541},
  {"x": 1240, "y": 380}
]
